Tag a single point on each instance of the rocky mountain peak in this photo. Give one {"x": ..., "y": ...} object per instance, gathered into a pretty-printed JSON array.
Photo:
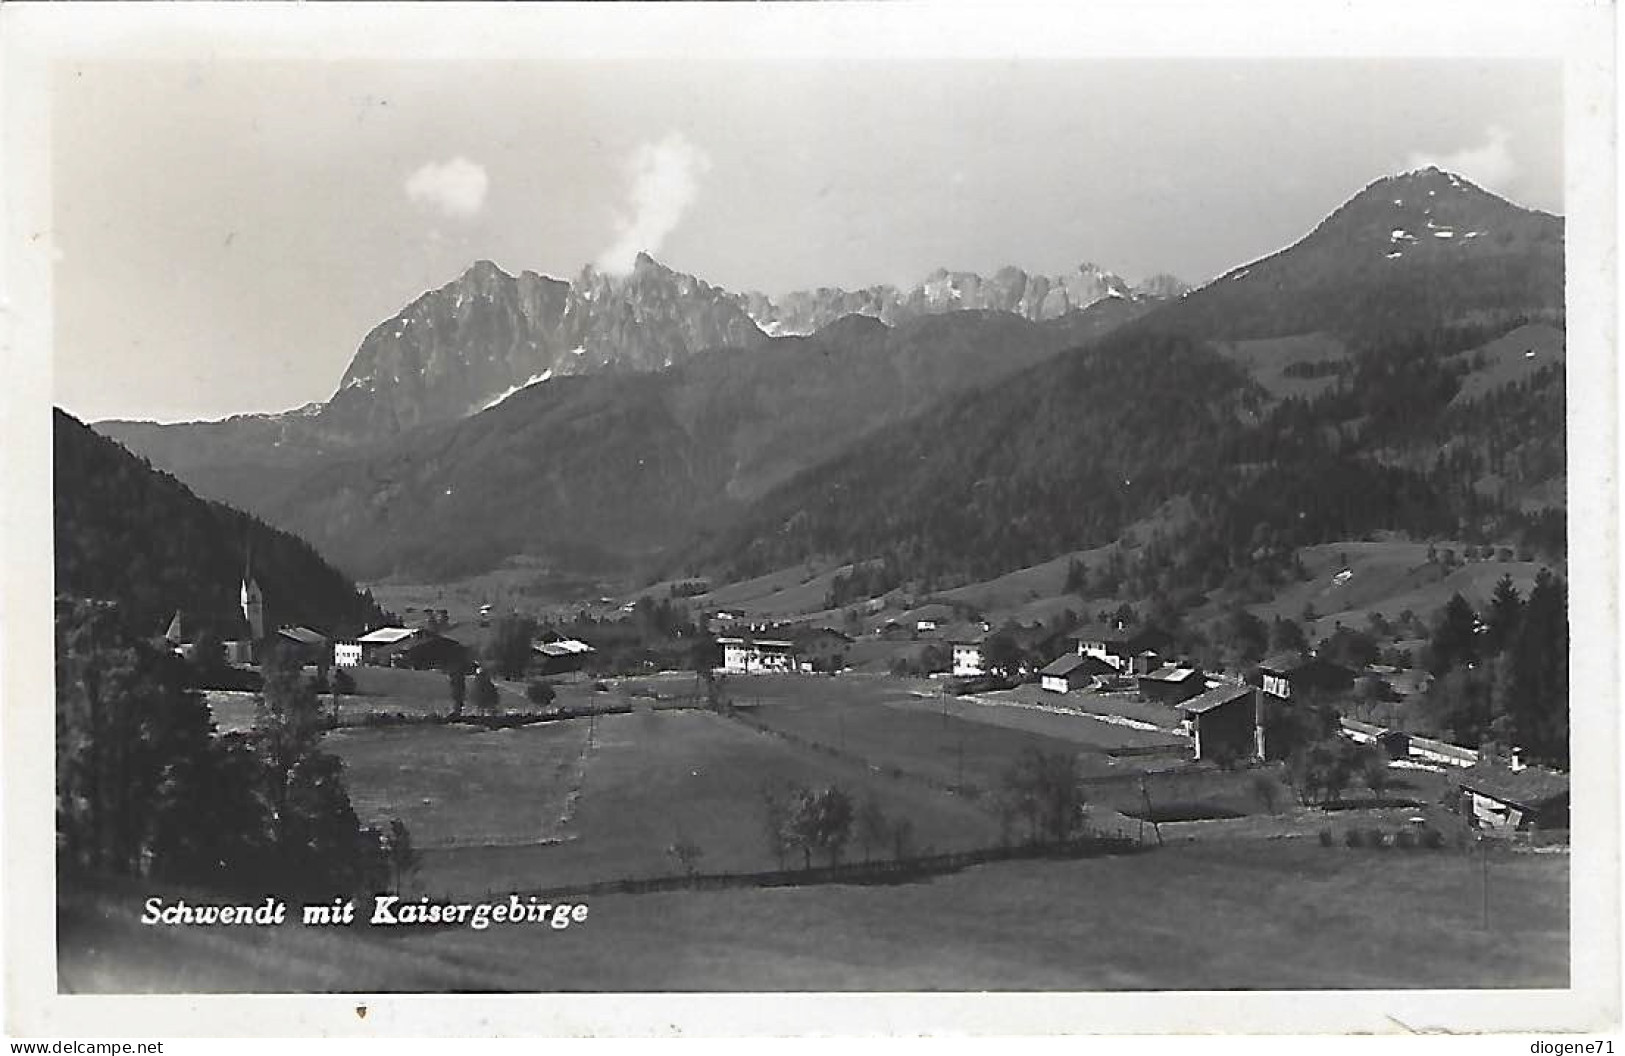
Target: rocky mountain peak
[
  {"x": 1010, "y": 289},
  {"x": 461, "y": 348}
]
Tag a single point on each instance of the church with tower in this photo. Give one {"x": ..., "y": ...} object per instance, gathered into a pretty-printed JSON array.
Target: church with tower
[{"x": 251, "y": 601}]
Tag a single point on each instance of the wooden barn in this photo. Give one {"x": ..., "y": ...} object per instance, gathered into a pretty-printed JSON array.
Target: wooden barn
[
  {"x": 310, "y": 646},
  {"x": 1171, "y": 683},
  {"x": 1292, "y": 676},
  {"x": 1224, "y": 722}
]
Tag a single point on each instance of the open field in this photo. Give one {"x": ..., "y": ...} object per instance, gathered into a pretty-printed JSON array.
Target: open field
[
  {"x": 654, "y": 777},
  {"x": 1214, "y": 914},
  {"x": 1389, "y": 576},
  {"x": 1246, "y": 914},
  {"x": 462, "y": 785},
  {"x": 1267, "y": 359},
  {"x": 942, "y": 739},
  {"x": 1511, "y": 358}
]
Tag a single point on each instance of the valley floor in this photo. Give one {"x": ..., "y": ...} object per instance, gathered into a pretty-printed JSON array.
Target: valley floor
[
  {"x": 1234, "y": 890},
  {"x": 1229, "y": 913}
]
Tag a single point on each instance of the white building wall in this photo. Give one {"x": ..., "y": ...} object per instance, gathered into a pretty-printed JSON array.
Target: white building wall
[
  {"x": 967, "y": 661},
  {"x": 736, "y": 658}
]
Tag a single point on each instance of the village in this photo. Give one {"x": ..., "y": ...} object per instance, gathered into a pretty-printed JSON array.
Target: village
[{"x": 1114, "y": 691}]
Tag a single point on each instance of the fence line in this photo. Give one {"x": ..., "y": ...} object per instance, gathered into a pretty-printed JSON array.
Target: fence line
[{"x": 893, "y": 870}]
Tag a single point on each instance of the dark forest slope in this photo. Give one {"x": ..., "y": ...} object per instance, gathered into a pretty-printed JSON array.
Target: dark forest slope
[{"x": 128, "y": 533}]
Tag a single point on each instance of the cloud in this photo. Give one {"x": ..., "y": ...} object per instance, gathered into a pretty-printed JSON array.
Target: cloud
[
  {"x": 665, "y": 180},
  {"x": 1489, "y": 164},
  {"x": 456, "y": 187}
]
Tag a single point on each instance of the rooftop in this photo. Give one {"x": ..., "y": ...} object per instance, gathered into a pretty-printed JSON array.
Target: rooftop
[
  {"x": 1065, "y": 665},
  {"x": 386, "y": 635},
  {"x": 1216, "y": 697},
  {"x": 1529, "y": 787},
  {"x": 1173, "y": 673}
]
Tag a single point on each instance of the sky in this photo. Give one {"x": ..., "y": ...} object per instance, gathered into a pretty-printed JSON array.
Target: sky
[{"x": 228, "y": 229}]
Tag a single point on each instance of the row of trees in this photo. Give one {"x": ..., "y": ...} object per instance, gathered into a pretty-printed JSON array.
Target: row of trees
[
  {"x": 799, "y": 819},
  {"x": 145, "y": 787},
  {"x": 1041, "y": 795},
  {"x": 1502, "y": 676}
]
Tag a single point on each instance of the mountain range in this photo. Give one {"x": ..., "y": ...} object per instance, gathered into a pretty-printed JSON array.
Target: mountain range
[
  {"x": 1010, "y": 289},
  {"x": 967, "y": 423}
]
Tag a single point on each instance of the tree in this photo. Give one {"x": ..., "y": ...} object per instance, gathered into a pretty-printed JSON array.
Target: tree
[
  {"x": 1351, "y": 648},
  {"x": 508, "y": 652},
  {"x": 687, "y": 854},
  {"x": 1453, "y": 642},
  {"x": 208, "y": 658},
  {"x": 872, "y": 826},
  {"x": 1002, "y": 654},
  {"x": 540, "y": 693},
  {"x": 902, "y": 839},
  {"x": 1046, "y": 789},
  {"x": 1461, "y": 705},
  {"x": 775, "y": 823},
  {"x": 1505, "y": 613},
  {"x": 457, "y": 683},
  {"x": 1540, "y": 673},
  {"x": 818, "y": 821},
  {"x": 1287, "y": 637},
  {"x": 317, "y": 841},
  {"x": 402, "y": 857},
  {"x": 486, "y": 697},
  {"x": 137, "y": 768},
  {"x": 1245, "y": 635},
  {"x": 1374, "y": 770}
]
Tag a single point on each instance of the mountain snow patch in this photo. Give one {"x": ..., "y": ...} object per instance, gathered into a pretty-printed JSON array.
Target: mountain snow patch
[{"x": 534, "y": 380}]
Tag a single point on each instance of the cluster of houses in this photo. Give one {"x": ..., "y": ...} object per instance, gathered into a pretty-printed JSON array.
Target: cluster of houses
[
  {"x": 420, "y": 648},
  {"x": 784, "y": 649}
]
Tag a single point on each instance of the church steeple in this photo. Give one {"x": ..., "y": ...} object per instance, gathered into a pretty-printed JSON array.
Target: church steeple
[{"x": 252, "y": 599}]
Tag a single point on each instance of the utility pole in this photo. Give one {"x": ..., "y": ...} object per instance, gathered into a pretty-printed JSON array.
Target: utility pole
[{"x": 1145, "y": 797}]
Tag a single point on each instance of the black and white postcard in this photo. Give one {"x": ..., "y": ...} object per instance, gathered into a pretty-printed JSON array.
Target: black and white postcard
[{"x": 734, "y": 519}]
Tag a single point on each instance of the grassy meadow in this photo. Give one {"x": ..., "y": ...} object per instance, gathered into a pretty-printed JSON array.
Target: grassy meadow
[
  {"x": 460, "y": 785},
  {"x": 1203, "y": 914},
  {"x": 654, "y": 778}
]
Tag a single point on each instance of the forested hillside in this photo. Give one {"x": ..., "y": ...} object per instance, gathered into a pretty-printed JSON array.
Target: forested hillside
[
  {"x": 129, "y": 534},
  {"x": 1433, "y": 405}
]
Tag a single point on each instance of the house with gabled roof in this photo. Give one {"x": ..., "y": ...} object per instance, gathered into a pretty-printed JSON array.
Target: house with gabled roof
[
  {"x": 1072, "y": 671},
  {"x": 1117, "y": 642},
  {"x": 1224, "y": 722},
  {"x": 1498, "y": 798},
  {"x": 1290, "y": 676}
]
